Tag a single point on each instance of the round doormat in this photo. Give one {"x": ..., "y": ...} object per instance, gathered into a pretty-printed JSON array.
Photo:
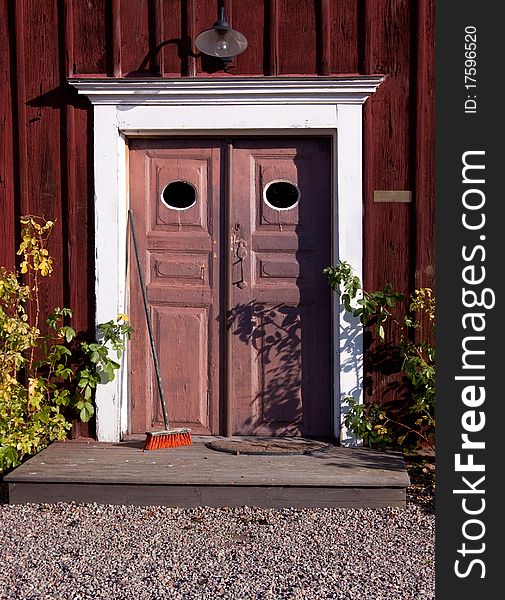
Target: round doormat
[{"x": 273, "y": 446}]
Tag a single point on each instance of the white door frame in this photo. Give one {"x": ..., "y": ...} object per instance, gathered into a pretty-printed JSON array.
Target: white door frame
[{"x": 123, "y": 108}]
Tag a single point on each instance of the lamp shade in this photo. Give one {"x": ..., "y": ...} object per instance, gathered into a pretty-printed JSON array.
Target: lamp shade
[{"x": 221, "y": 41}]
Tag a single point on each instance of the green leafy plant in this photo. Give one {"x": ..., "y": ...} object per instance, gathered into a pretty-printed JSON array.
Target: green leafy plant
[
  {"x": 372, "y": 422},
  {"x": 46, "y": 377},
  {"x": 369, "y": 422}
]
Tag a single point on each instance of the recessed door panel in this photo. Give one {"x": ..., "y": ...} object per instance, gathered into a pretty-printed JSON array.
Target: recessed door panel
[
  {"x": 275, "y": 187},
  {"x": 181, "y": 332},
  {"x": 179, "y": 184}
]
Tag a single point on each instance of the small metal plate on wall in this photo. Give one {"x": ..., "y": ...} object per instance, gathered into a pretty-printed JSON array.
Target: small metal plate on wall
[{"x": 392, "y": 196}]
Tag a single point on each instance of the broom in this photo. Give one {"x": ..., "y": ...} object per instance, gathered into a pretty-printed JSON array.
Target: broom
[{"x": 166, "y": 438}]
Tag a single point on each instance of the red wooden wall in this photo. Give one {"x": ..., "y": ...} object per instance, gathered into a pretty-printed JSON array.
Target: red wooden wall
[{"x": 45, "y": 154}]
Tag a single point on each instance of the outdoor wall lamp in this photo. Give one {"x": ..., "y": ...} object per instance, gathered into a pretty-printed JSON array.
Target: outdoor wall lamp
[{"x": 221, "y": 41}]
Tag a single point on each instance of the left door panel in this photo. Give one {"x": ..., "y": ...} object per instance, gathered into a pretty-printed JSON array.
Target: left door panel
[{"x": 175, "y": 196}]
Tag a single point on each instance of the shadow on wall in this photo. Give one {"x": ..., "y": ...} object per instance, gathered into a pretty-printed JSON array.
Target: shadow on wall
[
  {"x": 59, "y": 97},
  {"x": 382, "y": 365},
  {"x": 351, "y": 336},
  {"x": 150, "y": 65}
]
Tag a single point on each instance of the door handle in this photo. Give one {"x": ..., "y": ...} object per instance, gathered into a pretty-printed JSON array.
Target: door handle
[
  {"x": 240, "y": 253},
  {"x": 241, "y": 249}
]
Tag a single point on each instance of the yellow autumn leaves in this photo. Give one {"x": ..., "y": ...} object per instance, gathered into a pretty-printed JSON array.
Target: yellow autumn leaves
[
  {"x": 423, "y": 300},
  {"x": 34, "y": 236},
  {"x": 46, "y": 373}
]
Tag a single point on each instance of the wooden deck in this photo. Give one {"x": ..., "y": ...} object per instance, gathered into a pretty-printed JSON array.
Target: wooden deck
[{"x": 197, "y": 476}]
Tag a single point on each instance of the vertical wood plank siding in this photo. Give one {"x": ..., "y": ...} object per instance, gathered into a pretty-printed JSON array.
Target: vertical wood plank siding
[
  {"x": 389, "y": 142},
  {"x": 46, "y": 156},
  {"x": 8, "y": 196},
  {"x": 323, "y": 19},
  {"x": 424, "y": 148},
  {"x": 92, "y": 37},
  {"x": 138, "y": 42},
  {"x": 272, "y": 37},
  {"x": 192, "y": 11},
  {"x": 345, "y": 40},
  {"x": 424, "y": 261},
  {"x": 115, "y": 20},
  {"x": 248, "y": 17},
  {"x": 297, "y": 31}
]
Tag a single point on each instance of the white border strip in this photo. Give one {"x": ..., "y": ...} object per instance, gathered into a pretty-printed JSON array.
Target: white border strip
[
  {"x": 259, "y": 106},
  {"x": 350, "y": 248},
  {"x": 233, "y": 90}
]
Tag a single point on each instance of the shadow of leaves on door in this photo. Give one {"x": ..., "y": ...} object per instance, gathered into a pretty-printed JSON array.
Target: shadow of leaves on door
[{"x": 275, "y": 332}]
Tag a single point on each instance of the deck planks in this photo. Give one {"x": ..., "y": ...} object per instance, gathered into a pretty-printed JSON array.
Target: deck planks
[{"x": 197, "y": 476}]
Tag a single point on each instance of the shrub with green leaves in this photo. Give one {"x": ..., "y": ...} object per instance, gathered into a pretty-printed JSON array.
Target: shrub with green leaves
[
  {"x": 369, "y": 422},
  {"x": 46, "y": 378},
  {"x": 372, "y": 422}
]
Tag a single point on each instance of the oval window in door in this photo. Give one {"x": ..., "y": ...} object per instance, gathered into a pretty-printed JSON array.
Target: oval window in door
[
  {"x": 179, "y": 195},
  {"x": 281, "y": 194}
]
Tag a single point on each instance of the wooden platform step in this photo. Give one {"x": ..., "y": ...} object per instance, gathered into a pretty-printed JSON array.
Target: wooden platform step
[{"x": 197, "y": 476}]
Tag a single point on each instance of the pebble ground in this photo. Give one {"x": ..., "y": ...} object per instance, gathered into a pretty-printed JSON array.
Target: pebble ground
[{"x": 81, "y": 552}]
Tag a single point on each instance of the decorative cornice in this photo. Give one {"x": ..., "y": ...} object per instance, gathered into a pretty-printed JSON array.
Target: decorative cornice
[{"x": 236, "y": 90}]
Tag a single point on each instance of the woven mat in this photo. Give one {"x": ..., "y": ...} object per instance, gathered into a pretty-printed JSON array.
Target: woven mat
[{"x": 268, "y": 446}]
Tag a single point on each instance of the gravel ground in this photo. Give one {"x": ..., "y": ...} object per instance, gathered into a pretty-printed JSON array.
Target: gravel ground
[{"x": 122, "y": 552}]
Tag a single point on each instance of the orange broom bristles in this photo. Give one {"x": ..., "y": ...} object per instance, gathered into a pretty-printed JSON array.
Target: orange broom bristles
[{"x": 155, "y": 440}]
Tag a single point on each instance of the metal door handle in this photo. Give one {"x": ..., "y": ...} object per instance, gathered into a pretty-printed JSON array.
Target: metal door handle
[
  {"x": 241, "y": 253},
  {"x": 241, "y": 249}
]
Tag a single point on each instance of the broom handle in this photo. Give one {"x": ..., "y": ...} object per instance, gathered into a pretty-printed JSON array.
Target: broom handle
[{"x": 149, "y": 325}]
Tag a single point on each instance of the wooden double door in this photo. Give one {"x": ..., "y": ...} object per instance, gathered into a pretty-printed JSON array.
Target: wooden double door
[{"x": 233, "y": 235}]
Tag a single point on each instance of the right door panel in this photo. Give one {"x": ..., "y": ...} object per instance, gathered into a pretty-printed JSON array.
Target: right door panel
[{"x": 280, "y": 314}]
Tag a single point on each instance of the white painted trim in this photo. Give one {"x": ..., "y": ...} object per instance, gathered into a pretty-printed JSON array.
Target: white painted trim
[
  {"x": 233, "y": 90},
  {"x": 350, "y": 248},
  {"x": 258, "y": 106}
]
